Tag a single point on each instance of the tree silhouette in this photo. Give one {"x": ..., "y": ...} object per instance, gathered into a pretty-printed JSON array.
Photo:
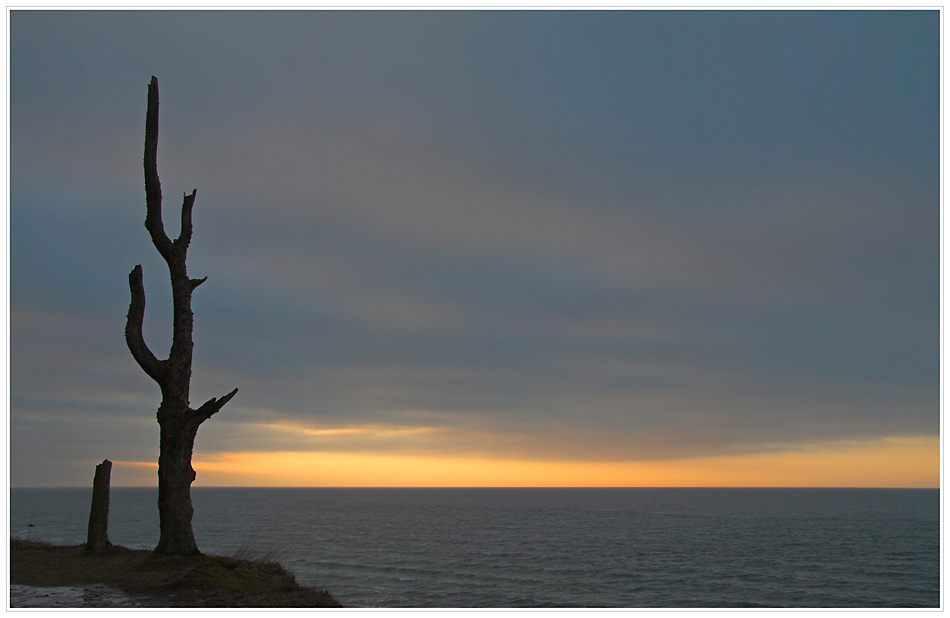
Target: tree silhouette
[{"x": 178, "y": 422}]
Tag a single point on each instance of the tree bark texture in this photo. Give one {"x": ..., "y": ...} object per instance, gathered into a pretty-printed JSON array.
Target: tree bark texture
[
  {"x": 97, "y": 539},
  {"x": 178, "y": 422}
]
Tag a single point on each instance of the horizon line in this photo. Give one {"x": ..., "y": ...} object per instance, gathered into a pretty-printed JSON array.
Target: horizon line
[{"x": 490, "y": 487}]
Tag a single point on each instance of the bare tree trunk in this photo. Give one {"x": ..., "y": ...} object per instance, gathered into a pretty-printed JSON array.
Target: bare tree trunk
[
  {"x": 175, "y": 476},
  {"x": 177, "y": 420},
  {"x": 97, "y": 538}
]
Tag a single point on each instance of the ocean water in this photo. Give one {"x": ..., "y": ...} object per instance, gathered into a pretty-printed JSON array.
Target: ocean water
[{"x": 458, "y": 548}]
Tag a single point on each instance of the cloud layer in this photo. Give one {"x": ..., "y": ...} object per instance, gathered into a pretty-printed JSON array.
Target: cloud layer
[{"x": 594, "y": 236}]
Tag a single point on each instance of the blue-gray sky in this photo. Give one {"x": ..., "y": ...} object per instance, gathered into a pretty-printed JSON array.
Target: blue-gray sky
[{"x": 591, "y": 236}]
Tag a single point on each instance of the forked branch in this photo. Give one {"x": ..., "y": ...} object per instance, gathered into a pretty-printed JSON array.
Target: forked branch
[
  {"x": 153, "y": 186},
  {"x": 149, "y": 363},
  {"x": 174, "y": 373},
  {"x": 210, "y": 408},
  {"x": 184, "y": 237}
]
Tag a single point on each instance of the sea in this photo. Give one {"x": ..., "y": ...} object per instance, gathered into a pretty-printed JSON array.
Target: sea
[{"x": 551, "y": 548}]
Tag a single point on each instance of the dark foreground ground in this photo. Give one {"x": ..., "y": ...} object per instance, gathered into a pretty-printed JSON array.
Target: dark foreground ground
[{"x": 201, "y": 581}]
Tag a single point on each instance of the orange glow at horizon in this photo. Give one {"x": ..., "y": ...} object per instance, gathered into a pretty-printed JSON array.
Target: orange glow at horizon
[{"x": 885, "y": 462}]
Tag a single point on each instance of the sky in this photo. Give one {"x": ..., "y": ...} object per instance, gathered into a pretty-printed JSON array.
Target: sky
[{"x": 485, "y": 248}]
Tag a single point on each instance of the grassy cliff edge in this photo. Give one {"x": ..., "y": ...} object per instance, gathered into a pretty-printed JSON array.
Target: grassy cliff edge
[{"x": 200, "y": 581}]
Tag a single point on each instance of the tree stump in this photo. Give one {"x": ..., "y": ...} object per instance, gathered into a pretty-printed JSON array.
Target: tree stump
[{"x": 97, "y": 539}]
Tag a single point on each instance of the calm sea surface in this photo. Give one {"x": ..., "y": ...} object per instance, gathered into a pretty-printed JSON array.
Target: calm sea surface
[{"x": 552, "y": 547}]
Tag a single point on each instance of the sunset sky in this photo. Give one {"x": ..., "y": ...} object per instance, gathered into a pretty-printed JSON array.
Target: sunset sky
[{"x": 497, "y": 248}]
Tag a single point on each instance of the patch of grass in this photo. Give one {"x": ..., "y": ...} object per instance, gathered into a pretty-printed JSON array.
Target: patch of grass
[{"x": 29, "y": 540}]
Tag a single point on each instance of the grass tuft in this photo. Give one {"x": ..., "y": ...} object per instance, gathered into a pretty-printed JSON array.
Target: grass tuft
[{"x": 253, "y": 549}]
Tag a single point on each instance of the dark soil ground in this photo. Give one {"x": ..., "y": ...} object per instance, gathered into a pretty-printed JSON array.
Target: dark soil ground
[{"x": 200, "y": 581}]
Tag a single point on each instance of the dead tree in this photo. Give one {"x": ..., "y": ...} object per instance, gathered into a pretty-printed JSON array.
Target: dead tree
[{"x": 177, "y": 421}]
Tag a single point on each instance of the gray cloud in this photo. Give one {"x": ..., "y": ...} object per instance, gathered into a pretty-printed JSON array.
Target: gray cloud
[{"x": 492, "y": 233}]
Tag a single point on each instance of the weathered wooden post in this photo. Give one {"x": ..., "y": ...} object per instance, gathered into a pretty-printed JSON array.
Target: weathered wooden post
[{"x": 97, "y": 539}]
